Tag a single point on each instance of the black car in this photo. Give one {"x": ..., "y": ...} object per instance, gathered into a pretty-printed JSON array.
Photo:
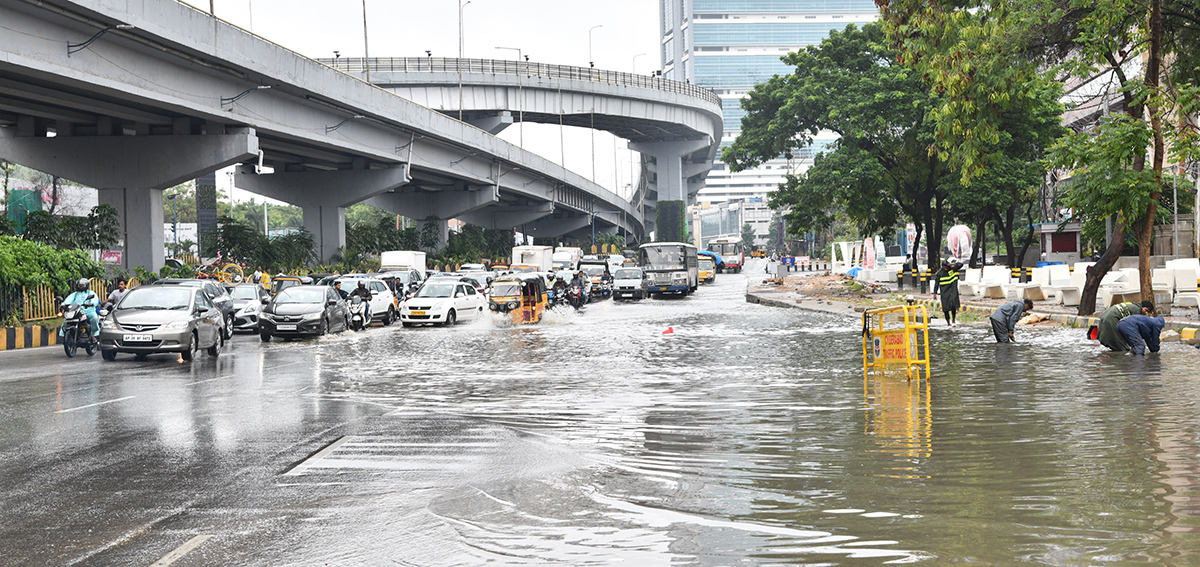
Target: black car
[
  {"x": 217, "y": 293},
  {"x": 303, "y": 310}
]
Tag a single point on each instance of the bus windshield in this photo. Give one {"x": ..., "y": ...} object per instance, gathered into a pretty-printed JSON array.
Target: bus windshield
[
  {"x": 662, "y": 258},
  {"x": 724, "y": 248}
]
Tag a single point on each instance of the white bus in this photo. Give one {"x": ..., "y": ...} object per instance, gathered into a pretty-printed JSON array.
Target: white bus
[
  {"x": 671, "y": 266},
  {"x": 731, "y": 250}
]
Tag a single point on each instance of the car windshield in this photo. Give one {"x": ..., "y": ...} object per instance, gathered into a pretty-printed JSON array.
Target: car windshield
[
  {"x": 245, "y": 292},
  {"x": 481, "y": 278},
  {"x": 301, "y": 294},
  {"x": 437, "y": 290},
  {"x": 523, "y": 269},
  {"x": 562, "y": 264},
  {"x": 505, "y": 289},
  {"x": 628, "y": 275},
  {"x": 706, "y": 264},
  {"x": 593, "y": 270},
  {"x": 155, "y": 297}
]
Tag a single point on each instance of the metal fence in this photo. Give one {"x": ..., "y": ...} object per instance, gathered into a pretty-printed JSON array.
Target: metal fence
[
  {"x": 358, "y": 65},
  {"x": 38, "y": 303}
]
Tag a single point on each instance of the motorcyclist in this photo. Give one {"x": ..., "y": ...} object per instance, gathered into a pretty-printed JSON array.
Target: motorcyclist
[
  {"x": 89, "y": 300},
  {"x": 365, "y": 294}
]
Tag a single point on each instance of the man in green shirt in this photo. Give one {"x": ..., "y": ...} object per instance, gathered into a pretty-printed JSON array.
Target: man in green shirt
[{"x": 1108, "y": 334}]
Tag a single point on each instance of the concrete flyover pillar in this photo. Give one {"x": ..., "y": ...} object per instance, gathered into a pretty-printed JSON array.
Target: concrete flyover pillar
[
  {"x": 440, "y": 206},
  {"x": 672, "y": 171},
  {"x": 130, "y": 173},
  {"x": 323, "y": 196}
]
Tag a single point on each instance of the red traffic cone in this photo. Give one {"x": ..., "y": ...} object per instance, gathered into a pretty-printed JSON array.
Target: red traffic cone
[{"x": 669, "y": 331}]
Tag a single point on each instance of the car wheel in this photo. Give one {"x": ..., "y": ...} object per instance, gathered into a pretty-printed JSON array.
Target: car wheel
[
  {"x": 324, "y": 330},
  {"x": 406, "y": 324},
  {"x": 391, "y": 316},
  {"x": 190, "y": 353},
  {"x": 215, "y": 349},
  {"x": 227, "y": 331},
  {"x": 108, "y": 354},
  {"x": 451, "y": 319},
  {"x": 266, "y": 337}
]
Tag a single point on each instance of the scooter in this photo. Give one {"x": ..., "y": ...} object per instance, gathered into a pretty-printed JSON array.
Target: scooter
[
  {"x": 77, "y": 331},
  {"x": 358, "y": 313},
  {"x": 576, "y": 297}
]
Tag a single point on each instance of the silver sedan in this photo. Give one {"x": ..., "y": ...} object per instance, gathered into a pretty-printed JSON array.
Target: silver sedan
[{"x": 156, "y": 319}]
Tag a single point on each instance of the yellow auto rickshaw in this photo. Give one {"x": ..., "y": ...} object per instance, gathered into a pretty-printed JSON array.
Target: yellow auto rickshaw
[
  {"x": 279, "y": 283},
  {"x": 708, "y": 270},
  {"x": 520, "y": 296}
]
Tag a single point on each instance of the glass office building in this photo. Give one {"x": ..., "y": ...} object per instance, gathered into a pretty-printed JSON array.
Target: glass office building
[{"x": 730, "y": 46}]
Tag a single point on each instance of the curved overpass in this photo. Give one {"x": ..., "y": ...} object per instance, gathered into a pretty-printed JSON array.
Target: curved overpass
[{"x": 678, "y": 124}]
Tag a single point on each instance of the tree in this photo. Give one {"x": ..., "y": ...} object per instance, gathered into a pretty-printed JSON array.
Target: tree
[
  {"x": 748, "y": 235},
  {"x": 983, "y": 57},
  {"x": 879, "y": 168},
  {"x": 671, "y": 221}
]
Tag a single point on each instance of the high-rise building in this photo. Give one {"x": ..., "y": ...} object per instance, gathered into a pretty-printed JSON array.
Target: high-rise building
[{"x": 730, "y": 46}]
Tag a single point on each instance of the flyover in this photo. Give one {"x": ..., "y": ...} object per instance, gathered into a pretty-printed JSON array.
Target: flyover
[
  {"x": 677, "y": 125},
  {"x": 135, "y": 96}
]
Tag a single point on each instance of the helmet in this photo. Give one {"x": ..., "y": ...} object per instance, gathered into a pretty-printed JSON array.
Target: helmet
[
  {"x": 362, "y": 284},
  {"x": 952, "y": 260},
  {"x": 82, "y": 284}
]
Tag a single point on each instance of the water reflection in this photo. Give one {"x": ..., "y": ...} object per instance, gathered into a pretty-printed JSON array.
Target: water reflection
[{"x": 899, "y": 418}]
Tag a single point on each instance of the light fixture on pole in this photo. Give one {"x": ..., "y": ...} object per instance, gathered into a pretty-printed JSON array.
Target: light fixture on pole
[
  {"x": 460, "y": 57},
  {"x": 77, "y": 47},
  {"x": 520, "y": 94},
  {"x": 174, "y": 197},
  {"x": 634, "y": 64},
  {"x": 591, "y": 60}
]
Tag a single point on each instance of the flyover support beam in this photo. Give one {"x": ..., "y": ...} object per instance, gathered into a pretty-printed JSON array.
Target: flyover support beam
[
  {"x": 493, "y": 123},
  {"x": 502, "y": 218},
  {"x": 437, "y": 207},
  {"x": 130, "y": 173},
  {"x": 551, "y": 227},
  {"x": 671, "y": 171},
  {"x": 323, "y": 196}
]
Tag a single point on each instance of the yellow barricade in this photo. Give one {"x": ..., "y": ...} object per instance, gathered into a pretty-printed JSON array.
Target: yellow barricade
[
  {"x": 39, "y": 303},
  {"x": 896, "y": 337}
]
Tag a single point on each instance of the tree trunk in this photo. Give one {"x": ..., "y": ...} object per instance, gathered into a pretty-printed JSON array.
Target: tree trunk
[
  {"x": 1029, "y": 236},
  {"x": 977, "y": 242},
  {"x": 1153, "y": 71},
  {"x": 1087, "y": 300},
  {"x": 1007, "y": 228}
]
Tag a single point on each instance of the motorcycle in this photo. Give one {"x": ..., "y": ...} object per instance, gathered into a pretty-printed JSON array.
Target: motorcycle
[
  {"x": 576, "y": 297},
  {"x": 605, "y": 289},
  {"x": 77, "y": 331},
  {"x": 358, "y": 313}
]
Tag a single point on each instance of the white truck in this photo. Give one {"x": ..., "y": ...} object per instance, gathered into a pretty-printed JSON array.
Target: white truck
[
  {"x": 532, "y": 259},
  {"x": 566, "y": 258},
  {"x": 402, "y": 260}
]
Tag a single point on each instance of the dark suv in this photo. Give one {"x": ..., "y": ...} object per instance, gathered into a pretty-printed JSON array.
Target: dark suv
[{"x": 216, "y": 292}]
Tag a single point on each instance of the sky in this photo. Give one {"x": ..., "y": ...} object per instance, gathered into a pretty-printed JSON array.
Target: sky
[{"x": 548, "y": 31}]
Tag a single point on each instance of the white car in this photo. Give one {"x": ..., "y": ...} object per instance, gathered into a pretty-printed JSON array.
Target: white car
[
  {"x": 383, "y": 301},
  {"x": 443, "y": 302}
]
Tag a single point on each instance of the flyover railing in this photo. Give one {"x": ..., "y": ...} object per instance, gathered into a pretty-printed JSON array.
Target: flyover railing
[{"x": 357, "y": 65}]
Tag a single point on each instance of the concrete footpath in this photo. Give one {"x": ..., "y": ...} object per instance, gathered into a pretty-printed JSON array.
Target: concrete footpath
[{"x": 768, "y": 295}]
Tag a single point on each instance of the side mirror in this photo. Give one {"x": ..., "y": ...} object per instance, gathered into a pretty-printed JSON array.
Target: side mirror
[
  {"x": 374, "y": 293},
  {"x": 459, "y": 294},
  {"x": 266, "y": 300}
]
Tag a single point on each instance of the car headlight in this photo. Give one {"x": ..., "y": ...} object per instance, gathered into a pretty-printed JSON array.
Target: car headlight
[
  {"x": 437, "y": 306},
  {"x": 249, "y": 309},
  {"x": 313, "y": 316},
  {"x": 268, "y": 316},
  {"x": 512, "y": 304},
  {"x": 176, "y": 325},
  {"x": 108, "y": 324},
  {"x": 678, "y": 276}
]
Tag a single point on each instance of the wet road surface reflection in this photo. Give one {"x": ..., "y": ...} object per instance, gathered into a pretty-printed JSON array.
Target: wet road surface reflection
[{"x": 748, "y": 436}]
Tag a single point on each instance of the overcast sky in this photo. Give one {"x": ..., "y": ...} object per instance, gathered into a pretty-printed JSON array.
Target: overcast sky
[{"x": 548, "y": 31}]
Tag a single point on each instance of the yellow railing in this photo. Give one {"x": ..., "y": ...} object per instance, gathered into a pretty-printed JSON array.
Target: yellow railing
[
  {"x": 39, "y": 303},
  {"x": 896, "y": 336}
]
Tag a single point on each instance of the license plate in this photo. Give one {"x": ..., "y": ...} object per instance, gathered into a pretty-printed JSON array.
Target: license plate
[
  {"x": 286, "y": 328},
  {"x": 137, "y": 338},
  {"x": 416, "y": 312},
  {"x": 662, "y": 288}
]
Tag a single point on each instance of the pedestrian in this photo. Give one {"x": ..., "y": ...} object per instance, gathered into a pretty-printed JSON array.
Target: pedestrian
[
  {"x": 946, "y": 285},
  {"x": 116, "y": 295},
  {"x": 1141, "y": 332},
  {"x": 337, "y": 286},
  {"x": 1107, "y": 331},
  {"x": 257, "y": 277},
  {"x": 1004, "y": 319}
]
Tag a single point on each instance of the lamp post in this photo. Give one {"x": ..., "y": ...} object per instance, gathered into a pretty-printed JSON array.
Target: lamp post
[
  {"x": 634, "y": 64},
  {"x": 520, "y": 95},
  {"x": 175, "y": 205},
  {"x": 591, "y": 61},
  {"x": 366, "y": 51},
  {"x": 460, "y": 57}
]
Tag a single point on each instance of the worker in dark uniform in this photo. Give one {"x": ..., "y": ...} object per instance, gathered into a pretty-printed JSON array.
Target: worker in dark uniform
[
  {"x": 1004, "y": 319},
  {"x": 946, "y": 285},
  {"x": 1141, "y": 332},
  {"x": 1108, "y": 333}
]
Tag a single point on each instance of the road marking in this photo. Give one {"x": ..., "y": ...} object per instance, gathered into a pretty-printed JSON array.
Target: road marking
[
  {"x": 181, "y": 551},
  {"x": 209, "y": 380},
  {"x": 299, "y": 468},
  {"x": 96, "y": 404}
]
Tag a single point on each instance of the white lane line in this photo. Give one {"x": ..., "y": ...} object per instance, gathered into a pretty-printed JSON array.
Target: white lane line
[
  {"x": 96, "y": 404},
  {"x": 209, "y": 380},
  {"x": 300, "y": 468},
  {"x": 181, "y": 551}
]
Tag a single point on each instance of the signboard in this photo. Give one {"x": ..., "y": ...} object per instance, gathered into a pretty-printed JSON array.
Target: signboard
[
  {"x": 110, "y": 256},
  {"x": 910, "y": 237}
]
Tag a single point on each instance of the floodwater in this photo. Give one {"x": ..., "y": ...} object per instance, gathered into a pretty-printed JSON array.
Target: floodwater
[{"x": 747, "y": 436}]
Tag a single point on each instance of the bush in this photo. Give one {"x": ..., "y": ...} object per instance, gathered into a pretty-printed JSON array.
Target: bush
[
  {"x": 671, "y": 222},
  {"x": 27, "y": 263}
]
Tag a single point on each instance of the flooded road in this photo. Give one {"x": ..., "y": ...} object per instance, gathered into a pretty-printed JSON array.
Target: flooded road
[{"x": 747, "y": 436}]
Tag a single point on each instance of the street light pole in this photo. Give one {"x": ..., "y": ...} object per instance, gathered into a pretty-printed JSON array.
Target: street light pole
[
  {"x": 460, "y": 57},
  {"x": 175, "y": 231},
  {"x": 591, "y": 61},
  {"x": 366, "y": 50},
  {"x": 634, "y": 64},
  {"x": 520, "y": 95},
  {"x": 594, "y": 213}
]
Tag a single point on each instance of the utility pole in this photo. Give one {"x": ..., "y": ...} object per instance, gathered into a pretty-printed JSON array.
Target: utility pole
[{"x": 366, "y": 51}]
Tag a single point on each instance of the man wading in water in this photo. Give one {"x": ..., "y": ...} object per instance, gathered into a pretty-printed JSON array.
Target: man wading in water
[{"x": 947, "y": 287}]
